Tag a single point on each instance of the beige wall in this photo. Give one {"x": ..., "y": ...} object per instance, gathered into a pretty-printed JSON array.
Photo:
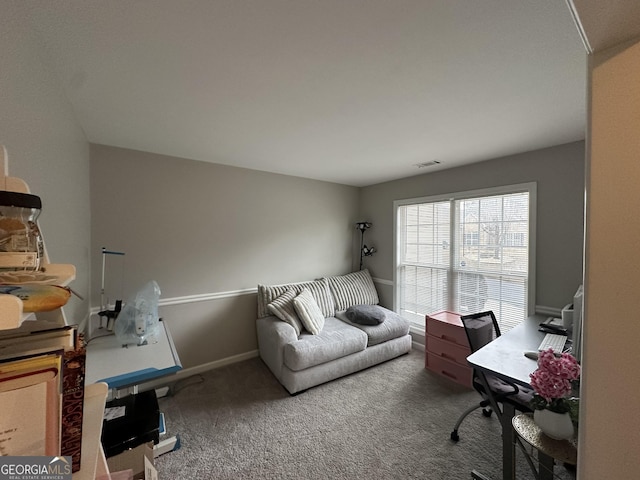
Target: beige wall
[
  {"x": 213, "y": 231},
  {"x": 47, "y": 148},
  {"x": 609, "y": 421},
  {"x": 208, "y": 234},
  {"x": 559, "y": 173}
]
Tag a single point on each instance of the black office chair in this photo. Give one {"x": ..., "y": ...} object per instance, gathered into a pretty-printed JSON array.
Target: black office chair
[{"x": 482, "y": 328}]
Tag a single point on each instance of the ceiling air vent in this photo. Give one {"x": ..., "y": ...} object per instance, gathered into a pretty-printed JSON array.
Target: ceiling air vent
[{"x": 428, "y": 164}]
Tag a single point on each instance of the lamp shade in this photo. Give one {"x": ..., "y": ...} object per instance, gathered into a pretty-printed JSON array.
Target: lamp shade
[{"x": 362, "y": 226}]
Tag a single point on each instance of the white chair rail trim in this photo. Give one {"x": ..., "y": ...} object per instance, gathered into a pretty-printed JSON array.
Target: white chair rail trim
[
  {"x": 202, "y": 297},
  {"x": 206, "y": 297}
]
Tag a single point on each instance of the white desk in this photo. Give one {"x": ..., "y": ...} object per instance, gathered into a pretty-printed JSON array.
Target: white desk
[
  {"x": 120, "y": 367},
  {"x": 504, "y": 357}
]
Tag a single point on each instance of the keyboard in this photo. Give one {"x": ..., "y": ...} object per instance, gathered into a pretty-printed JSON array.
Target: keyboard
[{"x": 554, "y": 342}]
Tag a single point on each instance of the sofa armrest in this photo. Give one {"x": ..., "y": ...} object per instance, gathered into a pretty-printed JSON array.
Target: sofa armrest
[{"x": 273, "y": 335}]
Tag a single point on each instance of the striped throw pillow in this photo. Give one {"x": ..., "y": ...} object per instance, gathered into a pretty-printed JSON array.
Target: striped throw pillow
[
  {"x": 355, "y": 288},
  {"x": 309, "y": 312},
  {"x": 319, "y": 290},
  {"x": 282, "y": 307}
]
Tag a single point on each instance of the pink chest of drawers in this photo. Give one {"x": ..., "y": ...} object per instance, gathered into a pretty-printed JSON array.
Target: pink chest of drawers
[{"x": 447, "y": 347}]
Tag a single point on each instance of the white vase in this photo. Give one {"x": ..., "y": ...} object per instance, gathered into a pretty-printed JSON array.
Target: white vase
[{"x": 555, "y": 425}]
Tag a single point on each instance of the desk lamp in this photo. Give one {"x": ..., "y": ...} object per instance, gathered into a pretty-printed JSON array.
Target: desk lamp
[{"x": 104, "y": 312}]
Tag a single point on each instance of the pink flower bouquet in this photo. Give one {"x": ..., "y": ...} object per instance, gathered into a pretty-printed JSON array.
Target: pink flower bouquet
[{"x": 553, "y": 381}]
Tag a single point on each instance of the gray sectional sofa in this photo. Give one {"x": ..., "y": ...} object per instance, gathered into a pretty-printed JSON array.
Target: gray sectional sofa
[{"x": 313, "y": 332}]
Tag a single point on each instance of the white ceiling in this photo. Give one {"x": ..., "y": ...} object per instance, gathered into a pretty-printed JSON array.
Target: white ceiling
[{"x": 348, "y": 91}]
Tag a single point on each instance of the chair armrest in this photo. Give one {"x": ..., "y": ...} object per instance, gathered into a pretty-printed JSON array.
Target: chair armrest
[
  {"x": 497, "y": 384},
  {"x": 515, "y": 391},
  {"x": 518, "y": 396},
  {"x": 273, "y": 334}
]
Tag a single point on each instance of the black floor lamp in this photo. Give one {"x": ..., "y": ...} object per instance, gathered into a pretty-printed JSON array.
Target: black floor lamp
[{"x": 364, "y": 250}]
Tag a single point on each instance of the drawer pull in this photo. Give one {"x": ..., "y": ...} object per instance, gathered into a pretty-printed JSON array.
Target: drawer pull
[
  {"x": 450, "y": 375},
  {"x": 448, "y": 339},
  {"x": 448, "y": 357}
]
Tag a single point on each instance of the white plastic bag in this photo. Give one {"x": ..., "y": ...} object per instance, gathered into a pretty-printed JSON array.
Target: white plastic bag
[{"x": 138, "y": 322}]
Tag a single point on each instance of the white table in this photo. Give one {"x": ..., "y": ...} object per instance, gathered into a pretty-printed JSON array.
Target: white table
[
  {"x": 121, "y": 367},
  {"x": 504, "y": 356},
  {"x": 124, "y": 367}
]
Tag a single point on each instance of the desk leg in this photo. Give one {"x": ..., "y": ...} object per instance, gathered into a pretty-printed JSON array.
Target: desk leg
[
  {"x": 508, "y": 443},
  {"x": 508, "y": 434}
]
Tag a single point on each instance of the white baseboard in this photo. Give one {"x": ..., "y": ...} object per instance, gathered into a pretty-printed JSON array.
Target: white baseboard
[{"x": 189, "y": 372}]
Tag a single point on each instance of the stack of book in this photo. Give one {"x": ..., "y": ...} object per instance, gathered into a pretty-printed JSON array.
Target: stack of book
[{"x": 42, "y": 371}]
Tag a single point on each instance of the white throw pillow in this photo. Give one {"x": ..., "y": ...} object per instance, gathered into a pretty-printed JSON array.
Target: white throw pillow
[
  {"x": 309, "y": 312},
  {"x": 282, "y": 307}
]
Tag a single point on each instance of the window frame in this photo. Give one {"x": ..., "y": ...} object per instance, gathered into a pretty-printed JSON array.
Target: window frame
[{"x": 529, "y": 187}]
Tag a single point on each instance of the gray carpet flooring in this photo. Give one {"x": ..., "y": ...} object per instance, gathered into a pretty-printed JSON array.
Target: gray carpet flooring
[{"x": 391, "y": 421}]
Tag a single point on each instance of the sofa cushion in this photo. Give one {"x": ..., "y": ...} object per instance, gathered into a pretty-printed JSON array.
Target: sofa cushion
[
  {"x": 318, "y": 288},
  {"x": 336, "y": 340},
  {"x": 355, "y": 288},
  {"x": 282, "y": 307},
  {"x": 393, "y": 326},
  {"x": 366, "y": 314},
  {"x": 309, "y": 312}
]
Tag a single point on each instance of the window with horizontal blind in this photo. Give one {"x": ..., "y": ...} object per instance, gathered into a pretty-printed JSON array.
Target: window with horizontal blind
[{"x": 467, "y": 252}]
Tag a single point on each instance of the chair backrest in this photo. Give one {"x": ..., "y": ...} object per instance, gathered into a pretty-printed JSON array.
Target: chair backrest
[{"x": 481, "y": 328}]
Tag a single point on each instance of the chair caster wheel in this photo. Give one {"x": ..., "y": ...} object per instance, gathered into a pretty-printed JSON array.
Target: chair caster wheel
[
  {"x": 454, "y": 436},
  {"x": 487, "y": 412}
]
